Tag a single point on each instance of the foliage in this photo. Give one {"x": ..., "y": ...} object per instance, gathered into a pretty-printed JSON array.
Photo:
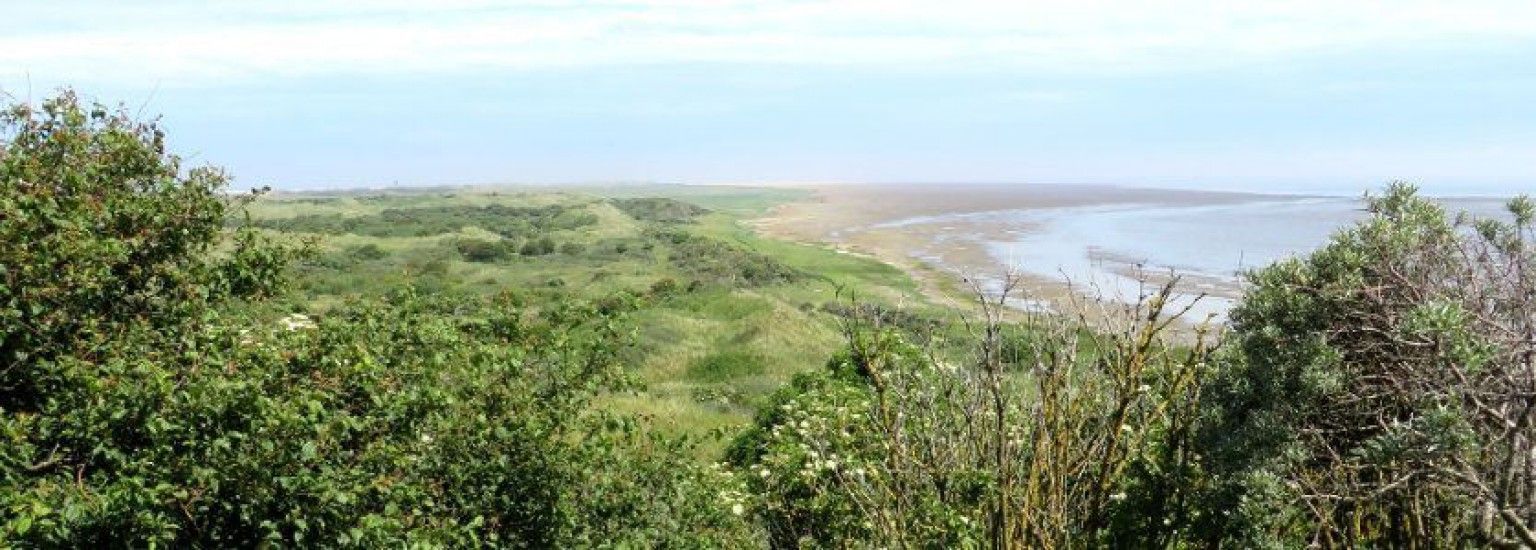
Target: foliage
[
  {"x": 138, "y": 410},
  {"x": 513, "y": 222},
  {"x": 484, "y": 251},
  {"x": 713, "y": 260},
  {"x": 726, "y": 364},
  {"x": 103, "y": 230},
  {"x": 893, "y": 445},
  {"x": 1378, "y": 391},
  {"x": 659, "y": 209}
]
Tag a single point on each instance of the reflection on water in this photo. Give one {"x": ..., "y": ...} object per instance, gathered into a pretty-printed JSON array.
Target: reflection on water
[{"x": 1210, "y": 244}]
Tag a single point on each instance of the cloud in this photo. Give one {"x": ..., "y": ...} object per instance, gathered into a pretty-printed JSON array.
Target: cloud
[{"x": 212, "y": 44}]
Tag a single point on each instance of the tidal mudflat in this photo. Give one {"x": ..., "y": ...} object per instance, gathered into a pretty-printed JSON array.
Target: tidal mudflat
[{"x": 1071, "y": 240}]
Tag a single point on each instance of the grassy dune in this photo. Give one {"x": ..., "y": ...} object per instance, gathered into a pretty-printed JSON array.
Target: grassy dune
[{"x": 711, "y": 343}]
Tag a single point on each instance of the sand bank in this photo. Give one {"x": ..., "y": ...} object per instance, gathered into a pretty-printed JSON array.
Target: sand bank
[{"x": 940, "y": 232}]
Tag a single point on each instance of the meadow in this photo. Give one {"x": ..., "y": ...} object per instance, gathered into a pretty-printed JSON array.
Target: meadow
[{"x": 726, "y": 316}]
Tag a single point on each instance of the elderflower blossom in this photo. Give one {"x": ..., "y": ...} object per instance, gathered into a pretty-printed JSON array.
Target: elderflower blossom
[{"x": 297, "y": 321}]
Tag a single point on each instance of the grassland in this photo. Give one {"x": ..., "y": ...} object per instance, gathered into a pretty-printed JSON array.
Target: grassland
[{"x": 725, "y": 316}]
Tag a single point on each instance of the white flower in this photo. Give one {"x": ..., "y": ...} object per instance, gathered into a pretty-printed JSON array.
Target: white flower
[
  {"x": 1117, "y": 497},
  {"x": 297, "y": 321},
  {"x": 738, "y": 509},
  {"x": 426, "y": 438}
]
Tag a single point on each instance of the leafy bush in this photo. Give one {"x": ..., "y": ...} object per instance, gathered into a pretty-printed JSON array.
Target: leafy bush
[
  {"x": 659, "y": 209},
  {"x": 137, "y": 410},
  {"x": 710, "y": 259},
  {"x": 513, "y": 222},
  {"x": 483, "y": 251},
  {"x": 103, "y": 230},
  {"x": 1370, "y": 393},
  {"x": 368, "y": 252},
  {"x": 897, "y": 446},
  {"x": 725, "y": 365},
  {"x": 541, "y": 246}
]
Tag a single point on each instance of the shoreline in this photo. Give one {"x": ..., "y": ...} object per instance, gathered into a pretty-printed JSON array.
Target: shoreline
[{"x": 939, "y": 234}]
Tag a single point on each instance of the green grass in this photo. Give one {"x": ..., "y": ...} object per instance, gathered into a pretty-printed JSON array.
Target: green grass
[{"x": 711, "y": 343}]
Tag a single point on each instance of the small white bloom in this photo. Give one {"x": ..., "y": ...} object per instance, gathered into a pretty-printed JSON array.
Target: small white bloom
[{"x": 738, "y": 509}]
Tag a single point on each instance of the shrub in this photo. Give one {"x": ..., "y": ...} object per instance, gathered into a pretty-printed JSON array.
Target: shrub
[
  {"x": 139, "y": 411},
  {"x": 368, "y": 252},
  {"x": 541, "y": 246},
  {"x": 1369, "y": 395},
  {"x": 659, "y": 209},
  {"x": 725, "y": 365},
  {"x": 716, "y": 261},
  {"x": 104, "y": 230},
  {"x": 894, "y": 445},
  {"x": 483, "y": 251},
  {"x": 512, "y": 222}
]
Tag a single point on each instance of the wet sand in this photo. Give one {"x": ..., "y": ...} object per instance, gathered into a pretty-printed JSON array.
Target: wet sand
[{"x": 888, "y": 222}]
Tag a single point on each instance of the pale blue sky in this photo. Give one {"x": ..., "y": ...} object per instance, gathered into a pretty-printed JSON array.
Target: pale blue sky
[{"x": 1285, "y": 96}]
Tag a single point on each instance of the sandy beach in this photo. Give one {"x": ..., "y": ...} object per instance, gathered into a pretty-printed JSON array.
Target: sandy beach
[{"x": 939, "y": 233}]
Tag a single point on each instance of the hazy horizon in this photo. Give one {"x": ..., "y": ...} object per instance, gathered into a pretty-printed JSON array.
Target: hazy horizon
[{"x": 1306, "y": 97}]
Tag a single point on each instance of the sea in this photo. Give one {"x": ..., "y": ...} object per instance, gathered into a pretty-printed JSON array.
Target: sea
[{"x": 1113, "y": 248}]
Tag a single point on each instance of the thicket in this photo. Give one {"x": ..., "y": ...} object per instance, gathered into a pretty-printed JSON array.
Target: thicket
[
  {"x": 659, "y": 209},
  {"x": 1381, "y": 391},
  {"x": 513, "y": 222},
  {"x": 715, "y": 261},
  {"x": 138, "y": 409}
]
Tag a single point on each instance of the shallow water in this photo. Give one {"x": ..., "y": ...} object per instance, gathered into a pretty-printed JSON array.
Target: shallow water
[{"x": 1211, "y": 244}]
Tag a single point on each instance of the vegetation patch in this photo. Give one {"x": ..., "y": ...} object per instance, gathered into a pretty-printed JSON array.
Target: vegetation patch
[
  {"x": 659, "y": 209},
  {"x": 719, "y": 262},
  {"x": 726, "y": 365},
  {"x": 515, "y": 222}
]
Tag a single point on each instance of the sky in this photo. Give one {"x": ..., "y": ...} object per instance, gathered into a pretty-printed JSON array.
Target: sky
[{"x": 1298, "y": 95}]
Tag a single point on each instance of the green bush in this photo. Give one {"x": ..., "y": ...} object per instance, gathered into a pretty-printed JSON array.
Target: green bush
[
  {"x": 659, "y": 209},
  {"x": 725, "y": 365},
  {"x": 541, "y": 246},
  {"x": 139, "y": 411},
  {"x": 512, "y": 222},
  {"x": 704, "y": 258},
  {"x": 368, "y": 252},
  {"x": 1368, "y": 392},
  {"x": 483, "y": 251}
]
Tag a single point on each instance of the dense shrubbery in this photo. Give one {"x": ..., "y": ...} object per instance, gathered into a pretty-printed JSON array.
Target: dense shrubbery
[
  {"x": 513, "y": 222},
  {"x": 1379, "y": 392},
  {"x": 484, "y": 251},
  {"x": 136, "y": 410},
  {"x": 716, "y": 261},
  {"x": 894, "y": 445},
  {"x": 659, "y": 209}
]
